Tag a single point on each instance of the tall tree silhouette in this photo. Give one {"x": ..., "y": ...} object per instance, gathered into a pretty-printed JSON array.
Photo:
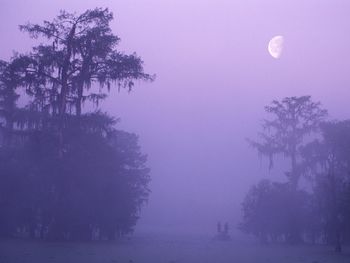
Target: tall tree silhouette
[
  {"x": 69, "y": 173},
  {"x": 293, "y": 118},
  {"x": 82, "y": 50}
]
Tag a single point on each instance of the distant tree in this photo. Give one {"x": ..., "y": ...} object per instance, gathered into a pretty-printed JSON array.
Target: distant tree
[
  {"x": 293, "y": 118},
  {"x": 328, "y": 162},
  {"x": 11, "y": 78},
  {"x": 268, "y": 210}
]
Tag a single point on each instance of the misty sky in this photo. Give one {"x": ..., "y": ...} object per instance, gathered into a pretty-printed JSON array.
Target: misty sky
[{"x": 214, "y": 76}]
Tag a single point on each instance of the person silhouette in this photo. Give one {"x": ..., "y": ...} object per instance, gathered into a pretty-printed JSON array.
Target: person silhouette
[
  {"x": 219, "y": 227},
  {"x": 226, "y": 228}
]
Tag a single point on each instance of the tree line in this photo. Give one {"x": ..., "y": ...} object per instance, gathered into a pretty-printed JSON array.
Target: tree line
[
  {"x": 66, "y": 171},
  {"x": 313, "y": 204}
]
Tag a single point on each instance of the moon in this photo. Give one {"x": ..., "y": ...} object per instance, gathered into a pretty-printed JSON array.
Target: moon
[{"x": 275, "y": 46}]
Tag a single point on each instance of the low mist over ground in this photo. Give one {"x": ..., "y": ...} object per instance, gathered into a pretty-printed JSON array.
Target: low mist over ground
[{"x": 166, "y": 249}]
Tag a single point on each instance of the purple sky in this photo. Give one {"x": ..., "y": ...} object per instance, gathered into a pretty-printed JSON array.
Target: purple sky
[{"x": 214, "y": 75}]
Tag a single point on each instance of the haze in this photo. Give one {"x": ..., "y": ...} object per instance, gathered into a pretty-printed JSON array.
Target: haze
[{"x": 214, "y": 77}]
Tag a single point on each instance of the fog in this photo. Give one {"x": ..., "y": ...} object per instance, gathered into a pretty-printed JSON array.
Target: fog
[{"x": 214, "y": 76}]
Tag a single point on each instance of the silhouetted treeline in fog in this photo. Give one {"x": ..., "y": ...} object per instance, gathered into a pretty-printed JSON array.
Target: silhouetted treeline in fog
[
  {"x": 317, "y": 210},
  {"x": 66, "y": 174}
]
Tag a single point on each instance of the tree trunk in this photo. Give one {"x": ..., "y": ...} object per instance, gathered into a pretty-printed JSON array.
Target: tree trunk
[
  {"x": 83, "y": 78},
  {"x": 294, "y": 175},
  {"x": 335, "y": 224},
  {"x": 64, "y": 73}
]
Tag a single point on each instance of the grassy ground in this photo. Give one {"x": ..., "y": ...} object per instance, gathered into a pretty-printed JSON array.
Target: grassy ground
[{"x": 164, "y": 250}]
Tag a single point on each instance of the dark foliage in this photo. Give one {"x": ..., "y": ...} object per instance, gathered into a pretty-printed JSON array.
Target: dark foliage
[
  {"x": 293, "y": 118},
  {"x": 281, "y": 211},
  {"x": 273, "y": 212},
  {"x": 66, "y": 174}
]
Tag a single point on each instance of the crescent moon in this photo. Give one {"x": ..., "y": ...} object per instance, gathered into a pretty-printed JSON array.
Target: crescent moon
[{"x": 275, "y": 46}]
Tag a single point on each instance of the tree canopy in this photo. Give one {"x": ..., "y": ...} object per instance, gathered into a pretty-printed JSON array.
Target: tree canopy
[
  {"x": 317, "y": 212},
  {"x": 67, "y": 172},
  {"x": 293, "y": 118}
]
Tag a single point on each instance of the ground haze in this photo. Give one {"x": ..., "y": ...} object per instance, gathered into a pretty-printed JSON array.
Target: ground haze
[{"x": 165, "y": 249}]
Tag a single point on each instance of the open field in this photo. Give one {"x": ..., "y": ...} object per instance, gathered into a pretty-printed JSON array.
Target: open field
[{"x": 166, "y": 249}]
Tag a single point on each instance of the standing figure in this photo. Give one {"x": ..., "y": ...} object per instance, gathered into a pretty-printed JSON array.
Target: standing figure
[
  {"x": 219, "y": 227},
  {"x": 226, "y": 229}
]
